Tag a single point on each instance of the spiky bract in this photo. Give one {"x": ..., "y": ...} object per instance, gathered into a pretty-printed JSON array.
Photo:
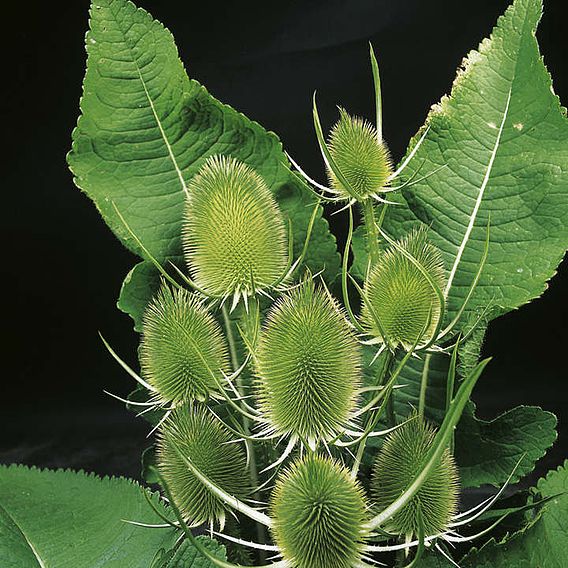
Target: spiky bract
[
  {"x": 182, "y": 349},
  {"x": 401, "y": 458},
  {"x": 399, "y": 299},
  {"x": 196, "y": 434},
  {"x": 362, "y": 159},
  {"x": 234, "y": 234},
  {"x": 308, "y": 365},
  {"x": 319, "y": 515}
]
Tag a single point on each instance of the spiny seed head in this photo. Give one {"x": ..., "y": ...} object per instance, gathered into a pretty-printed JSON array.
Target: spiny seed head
[
  {"x": 401, "y": 458},
  {"x": 196, "y": 434},
  {"x": 234, "y": 234},
  {"x": 362, "y": 159},
  {"x": 308, "y": 365},
  {"x": 399, "y": 295},
  {"x": 181, "y": 346},
  {"x": 319, "y": 515}
]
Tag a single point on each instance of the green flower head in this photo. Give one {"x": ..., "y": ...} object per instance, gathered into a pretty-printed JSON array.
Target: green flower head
[
  {"x": 400, "y": 301},
  {"x": 319, "y": 515},
  {"x": 400, "y": 459},
  {"x": 194, "y": 433},
  {"x": 182, "y": 349},
  {"x": 308, "y": 366},
  {"x": 234, "y": 235},
  {"x": 363, "y": 160}
]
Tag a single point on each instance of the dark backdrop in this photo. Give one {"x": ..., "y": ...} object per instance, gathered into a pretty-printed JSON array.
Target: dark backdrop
[{"x": 62, "y": 268}]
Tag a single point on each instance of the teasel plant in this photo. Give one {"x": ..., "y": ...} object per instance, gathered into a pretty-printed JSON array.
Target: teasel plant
[{"x": 257, "y": 375}]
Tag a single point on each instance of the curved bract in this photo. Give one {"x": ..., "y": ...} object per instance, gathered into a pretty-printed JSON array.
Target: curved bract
[
  {"x": 319, "y": 513},
  {"x": 363, "y": 160},
  {"x": 401, "y": 304},
  {"x": 308, "y": 366},
  {"x": 182, "y": 349},
  {"x": 194, "y": 433},
  {"x": 395, "y": 468},
  {"x": 234, "y": 234}
]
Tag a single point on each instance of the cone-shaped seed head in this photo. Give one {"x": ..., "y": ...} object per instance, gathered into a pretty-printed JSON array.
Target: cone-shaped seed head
[
  {"x": 399, "y": 461},
  {"x": 362, "y": 159},
  {"x": 181, "y": 345},
  {"x": 204, "y": 441},
  {"x": 399, "y": 295},
  {"x": 308, "y": 365},
  {"x": 234, "y": 234},
  {"x": 319, "y": 513}
]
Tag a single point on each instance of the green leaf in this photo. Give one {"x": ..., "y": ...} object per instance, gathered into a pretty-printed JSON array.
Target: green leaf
[
  {"x": 503, "y": 139},
  {"x": 487, "y": 451},
  {"x": 187, "y": 556},
  {"x": 138, "y": 288},
  {"x": 146, "y": 128},
  {"x": 543, "y": 544},
  {"x": 64, "y": 519}
]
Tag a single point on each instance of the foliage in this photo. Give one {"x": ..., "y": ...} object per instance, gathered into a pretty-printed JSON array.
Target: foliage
[
  {"x": 204, "y": 195},
  {"x": 64, "y": 519}
]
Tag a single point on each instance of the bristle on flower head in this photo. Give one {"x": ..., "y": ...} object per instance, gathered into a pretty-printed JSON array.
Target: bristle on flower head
[
  {"x": 400, "y": 297},
  {"x": 182, "y": 345},
  {"x": 196, "y": 434},
  {"x": 234, "y": 234},
  {"x": 362, "y": 159},
  {"x": 319, "y": 515},
  {"x": 308, "y": 366},
  {"x": 399, "y": 461}
]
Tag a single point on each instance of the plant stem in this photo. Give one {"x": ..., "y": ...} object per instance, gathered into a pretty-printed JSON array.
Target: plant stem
[
  {"x": 253, "y": 468},
  {"x": 230, "y": 338},
  {"x": 391, "y": 418},
  {"x": 424, "y": 386},
  {"x": 372, "y": 229}
]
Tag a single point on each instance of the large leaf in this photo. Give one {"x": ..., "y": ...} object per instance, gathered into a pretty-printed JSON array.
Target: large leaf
[
  {"x": 488, "y": 451},
  {"x": 59, "y": 519},
  {"x": 187, "y": 556},
  {"x": 146, "y": 128},
  {"x": 503, "y": 139},
  {"x": 542, "y": 545}
]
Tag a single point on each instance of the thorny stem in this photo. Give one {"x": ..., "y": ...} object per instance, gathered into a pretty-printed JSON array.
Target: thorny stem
[
  {"x": 230, "y": 338},
  {"x": 391, "y": 418},
  {"x": 372, "y": 229},
  {"x": 424, "y": 386},
  {"x": 253, "y": 467}
]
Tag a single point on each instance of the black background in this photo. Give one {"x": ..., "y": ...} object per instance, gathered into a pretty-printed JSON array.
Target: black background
[{"x": 62, "y": 268}]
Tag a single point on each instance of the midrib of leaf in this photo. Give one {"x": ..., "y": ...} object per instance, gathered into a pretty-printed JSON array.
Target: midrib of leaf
[
  {"x": 479, "y": 199},
  {"x": 40, "y": 562},
  {"x": 489, "y": 166},
  {"x": 150, "y": 101}
]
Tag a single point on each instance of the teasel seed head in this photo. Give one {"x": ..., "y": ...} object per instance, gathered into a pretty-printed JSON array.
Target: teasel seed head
[
  {"x": 362, "y": 159},
  {"x": 319, "y": 514},
  {"x": 182, "y": 345},
  {"x": 397, "y": 464},
  {"x": 196, "y": 434},
  {"x": 307, "y": 365},
  {"x": 234, "y": 235},
  {"x": 399, "y": 295}
]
